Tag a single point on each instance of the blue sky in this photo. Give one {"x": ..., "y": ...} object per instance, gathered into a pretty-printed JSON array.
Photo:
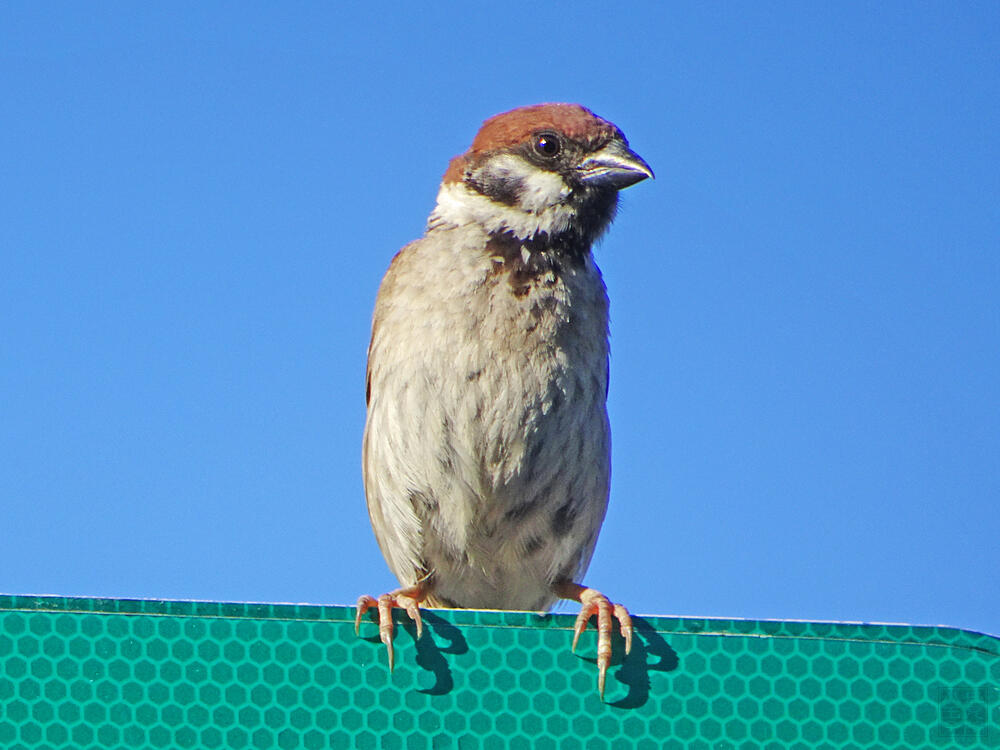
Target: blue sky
[{"x": 199, "y": 201}]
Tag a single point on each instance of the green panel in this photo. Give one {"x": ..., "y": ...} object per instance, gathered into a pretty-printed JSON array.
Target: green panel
[{"x": 86, "y": 673}]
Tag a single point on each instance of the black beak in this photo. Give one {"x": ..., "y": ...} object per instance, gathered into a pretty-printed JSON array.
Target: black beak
[{"x": 615, "y": 166}]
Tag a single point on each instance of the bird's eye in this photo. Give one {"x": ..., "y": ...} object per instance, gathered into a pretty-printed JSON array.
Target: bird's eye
[{"x": 547, "y": 144}]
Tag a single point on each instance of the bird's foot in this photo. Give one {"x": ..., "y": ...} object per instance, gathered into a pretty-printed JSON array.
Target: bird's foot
[
  {"x": 594, "y": 602},
  {"x": 407, "y": 598}
]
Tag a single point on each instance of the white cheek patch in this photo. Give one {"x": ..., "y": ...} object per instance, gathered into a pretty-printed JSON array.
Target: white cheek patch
[
  {"x": 541, "y": 189},
  {"x": 539, "y": 210}
]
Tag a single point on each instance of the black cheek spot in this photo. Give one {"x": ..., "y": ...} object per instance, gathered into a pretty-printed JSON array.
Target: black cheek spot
[{"x": 502, "y": 188}]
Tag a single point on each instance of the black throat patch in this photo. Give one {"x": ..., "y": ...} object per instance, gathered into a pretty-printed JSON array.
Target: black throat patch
[{"x": 530, "y": 262}]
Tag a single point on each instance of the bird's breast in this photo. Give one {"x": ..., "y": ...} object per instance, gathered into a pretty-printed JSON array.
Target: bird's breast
[{"x": 489, "y": 382}]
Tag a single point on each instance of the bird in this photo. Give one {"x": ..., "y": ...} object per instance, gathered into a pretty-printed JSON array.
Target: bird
[{"x": 486, "y": 452}]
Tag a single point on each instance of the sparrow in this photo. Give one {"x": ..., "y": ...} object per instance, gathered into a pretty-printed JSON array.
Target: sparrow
[{"x": 487, "y": 448}]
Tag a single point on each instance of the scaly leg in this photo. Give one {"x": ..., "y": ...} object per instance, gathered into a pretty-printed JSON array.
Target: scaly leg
[
  {"x": 594, "y": 602},
  {"x": 408, "y": 598}
]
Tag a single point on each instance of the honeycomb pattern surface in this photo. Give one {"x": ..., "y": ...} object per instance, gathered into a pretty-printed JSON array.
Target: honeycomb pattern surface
[{"x": 98, "y": 673}]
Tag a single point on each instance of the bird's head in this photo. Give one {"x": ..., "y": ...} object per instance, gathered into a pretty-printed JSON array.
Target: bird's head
[{"x": 549, "y": 172}]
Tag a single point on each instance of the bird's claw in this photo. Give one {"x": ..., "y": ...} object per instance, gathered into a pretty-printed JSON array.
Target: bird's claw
[
  {"x": 403, "y": 599},
  {"x": 594, "y": 602}
]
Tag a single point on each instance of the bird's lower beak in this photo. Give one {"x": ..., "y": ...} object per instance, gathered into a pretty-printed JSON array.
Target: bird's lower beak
[{"x": 615, "y": 166}]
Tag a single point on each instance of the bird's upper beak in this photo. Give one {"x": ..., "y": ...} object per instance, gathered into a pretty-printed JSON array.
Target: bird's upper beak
[{"x": 614, "y": 166}]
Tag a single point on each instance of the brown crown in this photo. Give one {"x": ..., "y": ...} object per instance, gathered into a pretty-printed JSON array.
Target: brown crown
[{"x": 515, "y": 127}]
